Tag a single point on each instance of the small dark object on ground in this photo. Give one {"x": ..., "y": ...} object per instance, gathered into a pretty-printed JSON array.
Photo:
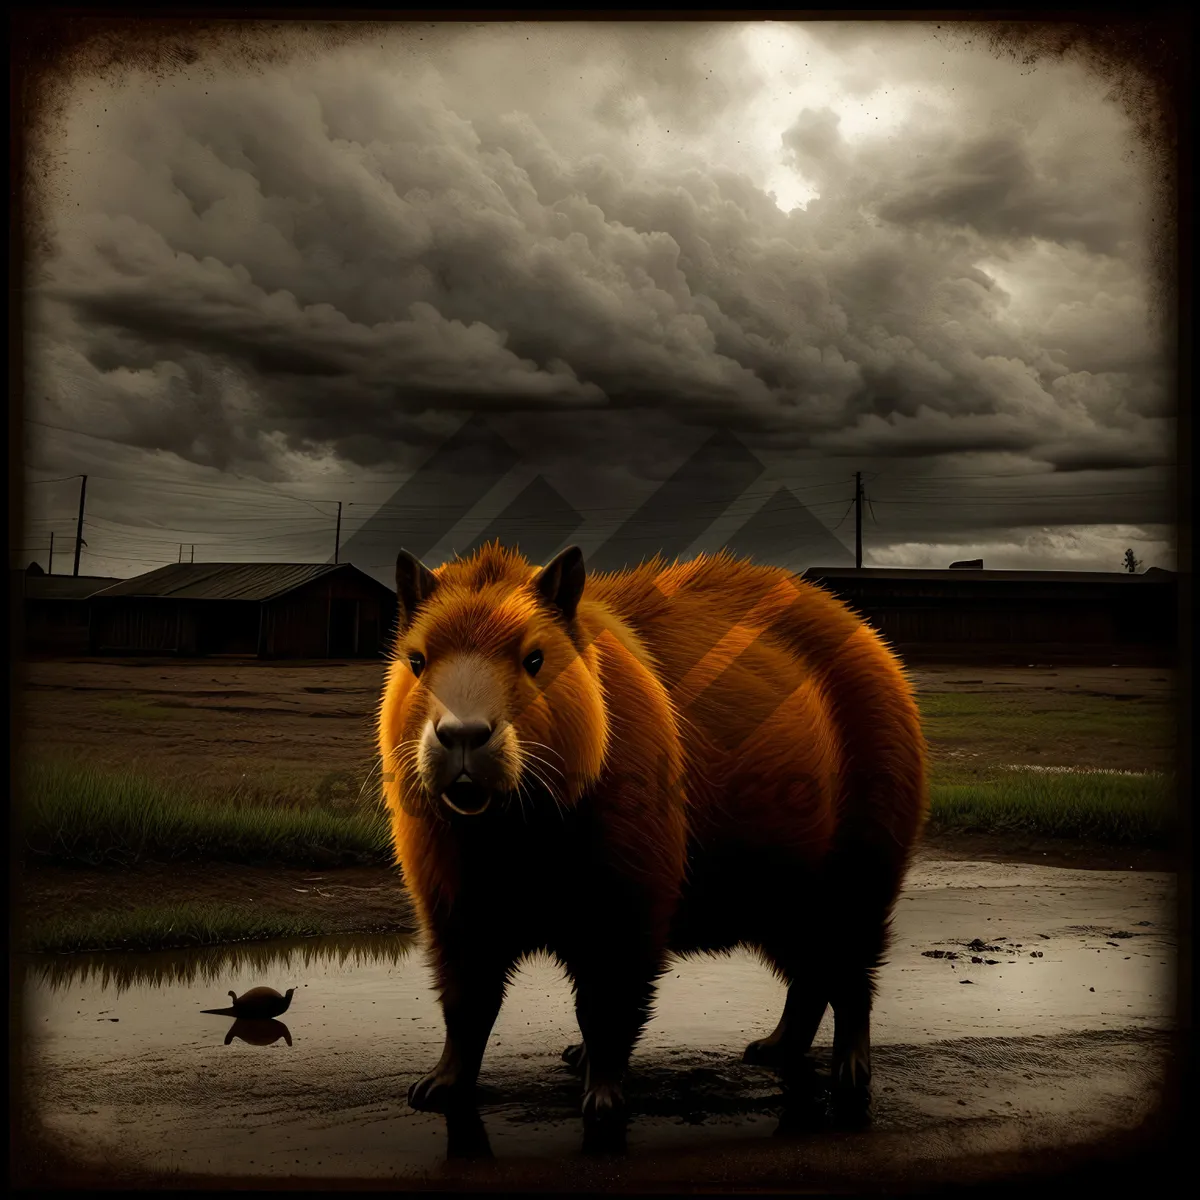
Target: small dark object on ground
[{"x": 260, "y": 1003}]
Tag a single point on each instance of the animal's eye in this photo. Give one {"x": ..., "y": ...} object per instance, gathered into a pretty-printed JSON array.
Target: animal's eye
[
  {"x": 533, "y": 662},
  {"x": 416, "y": 660}
]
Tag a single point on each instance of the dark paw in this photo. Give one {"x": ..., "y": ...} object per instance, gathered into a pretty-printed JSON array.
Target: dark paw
[
  {"x": 575, "y": 1057},
  {"x": 763, "y": 1053},
  {"x": 438, "y": 1091},
  {"x": 851, "y": 1099},
  {"x": 604, "y": 1104}
]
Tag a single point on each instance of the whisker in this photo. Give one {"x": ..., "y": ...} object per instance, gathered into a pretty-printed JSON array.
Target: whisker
[
  {"x": 549, "y": 790},
  {"x": 538, "y": 759}
]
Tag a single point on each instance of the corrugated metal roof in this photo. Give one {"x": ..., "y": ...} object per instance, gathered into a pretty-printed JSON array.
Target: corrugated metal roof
[
  {"x": 223, "y": 581},
  {"x": 900, "y": 575},
  {"x": 65, "y": 587}
]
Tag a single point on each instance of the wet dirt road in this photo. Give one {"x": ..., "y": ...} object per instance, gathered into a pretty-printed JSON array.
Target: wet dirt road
[{"x": 1024, "y": 1009}]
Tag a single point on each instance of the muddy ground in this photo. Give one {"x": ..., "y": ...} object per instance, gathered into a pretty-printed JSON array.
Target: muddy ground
[{"x": 1023, "y": 1017}]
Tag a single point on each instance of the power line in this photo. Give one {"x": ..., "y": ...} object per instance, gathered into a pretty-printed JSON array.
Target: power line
[
  {"x": 194, "y": 488},
  {"x": 628, "y": 508},
  {"x": 263, "y": 522},
  {"x": 135, "y": 538},
  {"x": 928, "y": 501},
  {"x": 1022, "y": 474}
]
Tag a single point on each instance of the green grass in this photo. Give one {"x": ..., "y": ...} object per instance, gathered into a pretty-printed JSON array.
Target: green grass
[
  {"x": 1099, "y": 806},
  {"x": 162, "y": 927},
  {"x": 986, "y": 716},
  {"x": 76, "y": 816}
]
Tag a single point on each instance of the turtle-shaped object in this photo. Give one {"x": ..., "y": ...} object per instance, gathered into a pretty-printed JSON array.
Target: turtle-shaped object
[{"x": 260, "y": 1003}]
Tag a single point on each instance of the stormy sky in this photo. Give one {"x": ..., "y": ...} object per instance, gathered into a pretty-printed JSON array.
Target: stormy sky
[{"x": 633, "y": 286}]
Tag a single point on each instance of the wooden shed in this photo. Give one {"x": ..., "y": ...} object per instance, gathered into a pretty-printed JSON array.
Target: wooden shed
[
  {"x": 54, "y": 610},
  {"x": 264, "y": 610},
  {"x": 964, "y": 614}
]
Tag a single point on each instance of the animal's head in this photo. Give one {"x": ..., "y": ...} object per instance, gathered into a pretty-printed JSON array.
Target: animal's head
[{"x": 492, "y": 695}]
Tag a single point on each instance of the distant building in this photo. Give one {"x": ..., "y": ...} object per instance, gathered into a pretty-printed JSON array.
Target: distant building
[
  {"x": 54, "y": 609},
  {"x": 263, "y": 610},
  {"x": 967, "y": 564},
  {"x": 1015, "y": 616}
]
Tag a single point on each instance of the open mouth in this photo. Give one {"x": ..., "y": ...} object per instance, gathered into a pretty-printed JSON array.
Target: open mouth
[{"x": 466, "y": 797}]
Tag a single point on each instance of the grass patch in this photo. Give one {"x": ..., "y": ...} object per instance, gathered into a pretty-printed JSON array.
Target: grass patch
[
  {"x": 164, "y": 927},
  {"x": 1100, "y": 806},
  {"x": 79, "y": 816},
  {"x": 982, "y": 715}
]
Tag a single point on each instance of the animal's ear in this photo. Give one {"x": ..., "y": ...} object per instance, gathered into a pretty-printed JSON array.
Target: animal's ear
[
  {"x": 560, "y": 582},
  {"x": 414, "y": 585}
]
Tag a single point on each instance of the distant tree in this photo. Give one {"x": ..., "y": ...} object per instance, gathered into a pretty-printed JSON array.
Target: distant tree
[
  {"x": 34, "y": 569},
  {"x": 1132, "y": 562}
]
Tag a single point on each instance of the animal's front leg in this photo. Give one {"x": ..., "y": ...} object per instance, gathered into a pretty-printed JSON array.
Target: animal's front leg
[
  {"x": 614, "y": 988},
  {"x": 575, "y": 1056},
  {"x": 472, "y": 985}
]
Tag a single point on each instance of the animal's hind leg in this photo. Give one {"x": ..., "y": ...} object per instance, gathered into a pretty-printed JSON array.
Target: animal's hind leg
[
  {"x": 851, "y": 1000},
  {"x": 862, "y": 941}
]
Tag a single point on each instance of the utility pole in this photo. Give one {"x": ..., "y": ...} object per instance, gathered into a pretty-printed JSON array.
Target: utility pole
[
  {"x": 337, "y": 537},
  {"x": 193, "y": 558},
  {"x": 180, "y": 558},
  {"x": 858, "y": 499},
  {"x": 50, "y": 568},
  {"x": 79, "y": 526}
]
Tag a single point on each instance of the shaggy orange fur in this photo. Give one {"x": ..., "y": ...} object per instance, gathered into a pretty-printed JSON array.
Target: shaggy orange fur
[{"x": 737, "y": 745}]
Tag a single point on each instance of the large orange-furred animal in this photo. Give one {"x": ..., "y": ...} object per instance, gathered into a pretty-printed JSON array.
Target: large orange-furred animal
[{"x": 617, "y": 767}]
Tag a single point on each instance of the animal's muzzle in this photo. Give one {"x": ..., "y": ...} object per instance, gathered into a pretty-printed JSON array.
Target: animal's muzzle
[{"x": 467, "y": 771}]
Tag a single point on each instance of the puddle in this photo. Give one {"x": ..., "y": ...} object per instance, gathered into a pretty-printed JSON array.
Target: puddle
[{"x": 1059, "y": 1036}]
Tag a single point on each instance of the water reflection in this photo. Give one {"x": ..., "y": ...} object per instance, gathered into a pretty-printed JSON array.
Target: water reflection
[
  {"x": 258, "y": 1032},
  {"x": 211, "y": 964},
  {"x": 466, "y": 1135}
]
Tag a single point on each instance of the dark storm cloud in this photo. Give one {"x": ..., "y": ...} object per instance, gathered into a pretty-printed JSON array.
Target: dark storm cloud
[
  {"x": 992, "y": 184},
  {"x": 542, "y": 224}
]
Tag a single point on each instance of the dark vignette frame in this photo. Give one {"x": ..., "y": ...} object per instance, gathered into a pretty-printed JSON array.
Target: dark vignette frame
[{"x": 1155, "y": 42}]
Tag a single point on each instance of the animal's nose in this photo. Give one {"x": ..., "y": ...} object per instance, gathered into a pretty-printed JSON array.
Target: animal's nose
[{"x": 465, "y": 735}]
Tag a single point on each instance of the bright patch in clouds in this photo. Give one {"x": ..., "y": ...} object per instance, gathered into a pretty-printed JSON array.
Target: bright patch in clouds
[{"x": 799, "y": 73}]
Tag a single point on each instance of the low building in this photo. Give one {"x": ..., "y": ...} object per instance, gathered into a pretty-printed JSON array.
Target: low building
[
  {"x": 54, "y": 610},
  {"x": 263, "y": 610},
  {"x": 965, "y": 614}
]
